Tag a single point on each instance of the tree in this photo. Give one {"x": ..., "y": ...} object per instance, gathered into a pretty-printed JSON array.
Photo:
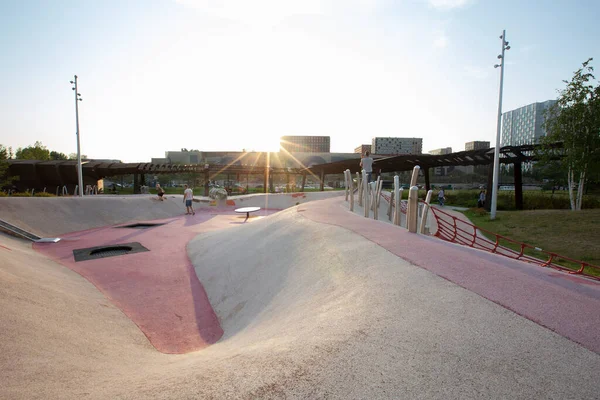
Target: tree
[
  {"x": 54, "y": 155},
  {"x": 73, "y": 156},
  {"x": 36, "y": 152},
  {"x": 5, "y": 154},
  {"x": 575, "y": 121}
]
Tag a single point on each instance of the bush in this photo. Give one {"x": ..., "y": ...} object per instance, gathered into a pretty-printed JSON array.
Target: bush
[{"x": 44, "y": 194}]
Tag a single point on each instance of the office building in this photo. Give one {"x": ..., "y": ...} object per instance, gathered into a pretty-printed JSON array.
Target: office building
[
  {"x": 524, "y": 125},
  {"x": 305, "y": 144},
  {"x": 396, "y": 145},
  {"x": 362, "y": 149},
  {"x": 476, "y": 145}
]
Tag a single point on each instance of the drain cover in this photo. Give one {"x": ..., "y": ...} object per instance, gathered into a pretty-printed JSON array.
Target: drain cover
[
  {"x": 92, "y": 253},
  {"x": 142, "y": 225}
]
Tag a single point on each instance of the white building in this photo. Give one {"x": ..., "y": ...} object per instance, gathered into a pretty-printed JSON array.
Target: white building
[{"x": 396, "y": 145}]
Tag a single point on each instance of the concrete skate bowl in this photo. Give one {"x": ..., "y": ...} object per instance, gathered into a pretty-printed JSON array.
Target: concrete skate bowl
[
  {"x": 309, "y": 308},
  {"x": 55, "y": 216}
]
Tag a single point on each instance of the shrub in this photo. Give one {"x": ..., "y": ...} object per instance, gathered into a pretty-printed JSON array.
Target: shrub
[{"x": 44, "y": 194}]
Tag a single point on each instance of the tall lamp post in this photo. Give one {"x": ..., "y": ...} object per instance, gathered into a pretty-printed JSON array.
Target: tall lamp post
[
  {"x": 494, "y": 204},
  {"x": 79, "y": 170}
]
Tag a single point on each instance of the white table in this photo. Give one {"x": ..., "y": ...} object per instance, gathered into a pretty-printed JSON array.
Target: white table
[{"x": 247, "y": 210}]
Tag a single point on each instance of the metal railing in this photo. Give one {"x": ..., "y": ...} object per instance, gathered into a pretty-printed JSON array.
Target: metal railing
[{"x": 456, "y": 230}]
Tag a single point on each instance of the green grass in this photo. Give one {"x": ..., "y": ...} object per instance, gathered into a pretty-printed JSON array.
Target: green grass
[{"x": 572, "y": 234}]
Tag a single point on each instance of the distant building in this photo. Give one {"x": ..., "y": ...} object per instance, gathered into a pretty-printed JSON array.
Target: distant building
[
  {"x": 305, "y": 144},
  {"x": 396, "y": 145},
  {"x": 362, "y": 149},
  {"x": 438, "y": 152},
  {"x": 476, "y": 145},
  {"x": 441, "y": 171},
  {"x": 524, "y": 125}
]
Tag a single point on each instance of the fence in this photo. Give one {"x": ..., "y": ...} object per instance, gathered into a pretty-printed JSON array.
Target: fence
[{"x": 453, "y": 229}]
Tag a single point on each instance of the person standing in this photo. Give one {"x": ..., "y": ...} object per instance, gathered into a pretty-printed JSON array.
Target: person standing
[
  {"x": 481, "y": 201},
  {"x": 367, "y": 164},
  {"x": 441, "y": 197},
  {"x": 188, "y": 197}
]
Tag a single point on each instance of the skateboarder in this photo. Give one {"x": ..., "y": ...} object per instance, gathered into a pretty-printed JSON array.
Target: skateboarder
[{"x": 188, "y": 197}]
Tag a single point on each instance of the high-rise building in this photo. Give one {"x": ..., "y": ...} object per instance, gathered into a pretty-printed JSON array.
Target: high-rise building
[
  {"x": 524, "y": 125},
  {"x": 362, "y": 149},
  {"x": 396, "y": 145},
  {"x": 305, "y": 144},
  {"x": 476, "y": 145}
]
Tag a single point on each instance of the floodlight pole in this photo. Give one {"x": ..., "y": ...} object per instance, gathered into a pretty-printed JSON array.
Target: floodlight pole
[
  {"x": 494, "y": 204},
  {"x": 79, "y": 169}
]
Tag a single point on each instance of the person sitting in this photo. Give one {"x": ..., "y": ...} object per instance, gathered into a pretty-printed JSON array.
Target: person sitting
[{"x": 160, "y": 192}]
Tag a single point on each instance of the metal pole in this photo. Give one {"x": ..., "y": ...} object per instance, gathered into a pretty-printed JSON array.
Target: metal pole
[
  {"x": 498, "y": 128},
  {"x": 79, "y": 170}
]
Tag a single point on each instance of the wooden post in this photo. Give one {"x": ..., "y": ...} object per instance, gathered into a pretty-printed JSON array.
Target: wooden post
[
  {"x": 518, "y": 185},
  {"x": 322, "y": 177},
  {"x": 303, "y": 181},
  {"x": 427, "y": 181},
  {"x": 136, "y": 184},
  {"x": 490, "y": 185},
  {"x": 266, "y": 180},
  {"x": 206, "y": 181}
]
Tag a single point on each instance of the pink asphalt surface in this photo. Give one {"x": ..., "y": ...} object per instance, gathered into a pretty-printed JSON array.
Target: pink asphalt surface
[
  {"x": 566, "y": 304},
  {"x": 158, "y": 289}
]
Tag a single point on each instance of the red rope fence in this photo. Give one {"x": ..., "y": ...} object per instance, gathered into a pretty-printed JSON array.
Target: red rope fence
[{"x": 453, "y": 229}]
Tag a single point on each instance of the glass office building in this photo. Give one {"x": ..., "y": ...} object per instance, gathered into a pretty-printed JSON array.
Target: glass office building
[{"x": 524, "y": 125}]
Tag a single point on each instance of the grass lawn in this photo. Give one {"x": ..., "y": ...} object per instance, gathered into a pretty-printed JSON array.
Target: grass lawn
[{"x": 568, "y": 233}]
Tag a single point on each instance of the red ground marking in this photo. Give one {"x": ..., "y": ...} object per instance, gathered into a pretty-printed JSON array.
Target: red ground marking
[
  {"x": 4, "y": 247},
  {"x": 157, "y": 289},
  {"x": 230, "y": 202},
  {"x": 566, "y": 304}
]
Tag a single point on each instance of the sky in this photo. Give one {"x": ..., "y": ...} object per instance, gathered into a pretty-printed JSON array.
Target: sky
[{"x": 227, "y": 75}]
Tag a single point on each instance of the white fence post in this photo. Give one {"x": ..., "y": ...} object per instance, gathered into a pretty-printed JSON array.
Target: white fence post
[
  {"x": 346, "y": 183},
  {"x": 397, "y": 200},
  {"x": 425, "y": 212},
  {"x": 365, "y": 193},
  {"x": 415, "y": 175},
  {"x": 351, "y": 191},
  {"x": 360, "y": 189},
  {"x": 413, "y": 209}
]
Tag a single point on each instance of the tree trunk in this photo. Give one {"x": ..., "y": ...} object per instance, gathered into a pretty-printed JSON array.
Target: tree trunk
[
  {"x": 580, "y": 190},
  {"x": 570, "y": 181}
]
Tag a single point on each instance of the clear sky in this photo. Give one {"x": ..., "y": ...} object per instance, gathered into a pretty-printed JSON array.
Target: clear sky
[{"x": 158, "y": 75}]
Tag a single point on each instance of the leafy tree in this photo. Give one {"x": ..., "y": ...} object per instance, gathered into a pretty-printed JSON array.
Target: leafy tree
[
  {"x": 36, "y": 152},
  {"x": 5, "y": 154},
  {"x": 73, "y": 156},
  {"x": 575, "y": 121},
  {"x": 54, "y": 155}
]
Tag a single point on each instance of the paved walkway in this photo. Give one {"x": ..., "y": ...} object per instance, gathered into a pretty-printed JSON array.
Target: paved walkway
[{"x": 566, "y": 304}]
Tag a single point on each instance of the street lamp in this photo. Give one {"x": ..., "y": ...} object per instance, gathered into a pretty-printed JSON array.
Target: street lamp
[
  {"x": 494, "y": 204},
  {"x": 79, "y": 171}
]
